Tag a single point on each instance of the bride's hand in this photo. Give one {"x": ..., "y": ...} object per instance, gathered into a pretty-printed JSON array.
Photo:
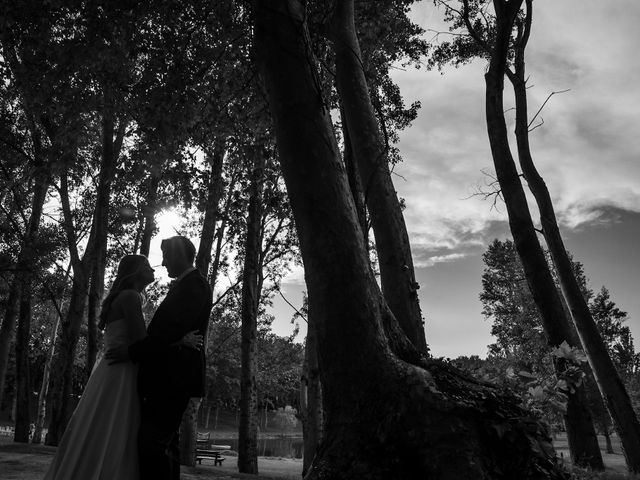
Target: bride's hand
[{"x": 192, "y": 340}]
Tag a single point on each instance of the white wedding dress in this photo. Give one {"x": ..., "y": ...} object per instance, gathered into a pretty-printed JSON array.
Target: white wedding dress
[{"x": 100, "y": 442}]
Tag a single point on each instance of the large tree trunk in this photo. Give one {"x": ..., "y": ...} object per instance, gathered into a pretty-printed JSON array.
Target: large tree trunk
[
  {"x": 607, "y": 377},
  {"x": 311, "y": 399},
  {"x": 189, "y": 424},
  {"x": 248, "y": 428},
  {"x": 582, "y": 437},
  {"x": 387, "y": 417},
  {"x": 397, "y": 274}
]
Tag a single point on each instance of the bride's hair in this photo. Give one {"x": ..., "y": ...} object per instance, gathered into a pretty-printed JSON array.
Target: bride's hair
[{"x": 128, "y": 268}]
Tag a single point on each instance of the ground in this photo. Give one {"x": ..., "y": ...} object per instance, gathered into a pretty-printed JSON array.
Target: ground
[
  {"x": 29, "y": 462},
  {"x": 20, "y": 461}
]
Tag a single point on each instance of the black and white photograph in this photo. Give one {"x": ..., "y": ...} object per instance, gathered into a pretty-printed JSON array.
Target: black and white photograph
[{"x": 319, "y": 240}]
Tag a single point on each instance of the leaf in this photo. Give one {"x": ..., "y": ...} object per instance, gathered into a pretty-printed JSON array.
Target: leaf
[
  {"x": 537, "y": 393},
  {"x": 527, "y": 375},
  {"x": 562, "y": 385}
]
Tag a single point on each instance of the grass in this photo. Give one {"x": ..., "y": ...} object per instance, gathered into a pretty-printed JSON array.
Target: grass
[
  {"x": 615, "y": 465},
  {"x": 19, "y": 461}
]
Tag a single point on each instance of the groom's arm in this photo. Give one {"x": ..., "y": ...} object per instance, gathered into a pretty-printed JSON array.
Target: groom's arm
[{"x": 178, "y": 319}]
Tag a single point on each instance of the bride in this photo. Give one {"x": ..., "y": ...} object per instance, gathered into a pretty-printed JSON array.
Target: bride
[{"x": 100, "y": 441}]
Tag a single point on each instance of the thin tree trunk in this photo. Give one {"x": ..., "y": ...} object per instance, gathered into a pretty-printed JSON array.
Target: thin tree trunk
[
  {"x": 24, "y": 266},
  {"x": 609, "y": 382},
  {"x": 7, "y": 331},
  {"x": 189, "y": 424},
  {"x": 607, "y": 440},
  {"x": 111, "y": 146},
  {"x": 149, "y": 212},
  {"x": 582, "y": 437},
  {"x": 397, "y": 275},
  {"x": 44, "y": 387},
  {"x": 60, "y": 388},
  {"x": 59, "y": 401},
  {"x": 189, "y": 432},
  {"x": 248, "y": 428},
  {"x": 211, "y": 213},
  {"x": 208, "y": 416},
  {"x": 23, "y": 376},
  {"x": 388, "y": 416},
  {"x": 355, "y": 183},
  {"x": 26, "y": 261}
]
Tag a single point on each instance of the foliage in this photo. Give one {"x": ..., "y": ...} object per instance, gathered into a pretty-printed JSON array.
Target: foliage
[
  {"x": 520, "y": 357},
  {"x": 279, "y": 361},
  {"x": 286, "y": 418},
  {"x": 179, "y": 80},
  {"x": 617, "y": 336},
  {"x": 388, "y": 39}
]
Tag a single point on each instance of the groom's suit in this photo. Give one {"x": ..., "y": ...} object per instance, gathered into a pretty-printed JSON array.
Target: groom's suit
[{"x": 170, "y": 375}]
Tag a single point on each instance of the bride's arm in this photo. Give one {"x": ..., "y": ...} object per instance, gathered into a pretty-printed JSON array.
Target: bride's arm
[
  {"x": 132, "y": 312},
  {"x": 129, "y": 305}
]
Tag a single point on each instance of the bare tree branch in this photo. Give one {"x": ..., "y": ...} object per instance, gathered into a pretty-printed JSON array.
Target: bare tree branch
[{"x": 545, "y": 102}]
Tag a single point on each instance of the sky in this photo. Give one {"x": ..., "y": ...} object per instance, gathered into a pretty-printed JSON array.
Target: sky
[{"x": 587, "y": 150}]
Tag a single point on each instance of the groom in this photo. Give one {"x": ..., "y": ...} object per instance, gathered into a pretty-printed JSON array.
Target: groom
[{"x": 170, "y": 375}]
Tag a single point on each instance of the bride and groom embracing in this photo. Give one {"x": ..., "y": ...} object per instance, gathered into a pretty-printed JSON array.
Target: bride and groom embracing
[{"x": 125, "y": 426}]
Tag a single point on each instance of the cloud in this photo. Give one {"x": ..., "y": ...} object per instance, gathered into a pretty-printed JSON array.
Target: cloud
[
  {"x": 431, "y": 261},
  {"x": 295, "y": 277},
  {"x": 586, "y": 150}
]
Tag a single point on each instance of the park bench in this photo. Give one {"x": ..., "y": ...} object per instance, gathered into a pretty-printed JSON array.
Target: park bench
[{"x": 204, "y": 449}]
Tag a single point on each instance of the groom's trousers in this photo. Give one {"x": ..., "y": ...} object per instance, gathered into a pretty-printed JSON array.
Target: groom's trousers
[{"x": 158, "y": 445}]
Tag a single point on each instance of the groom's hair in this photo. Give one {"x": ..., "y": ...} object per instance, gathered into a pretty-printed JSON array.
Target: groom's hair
[{"x": 179, "y": 244}]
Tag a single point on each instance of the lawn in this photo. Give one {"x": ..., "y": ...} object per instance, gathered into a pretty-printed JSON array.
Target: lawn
[{"x": 30, "y": 462}]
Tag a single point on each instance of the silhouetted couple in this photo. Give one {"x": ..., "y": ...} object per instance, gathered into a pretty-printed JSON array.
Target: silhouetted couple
[{"x": 125, "y": 426}]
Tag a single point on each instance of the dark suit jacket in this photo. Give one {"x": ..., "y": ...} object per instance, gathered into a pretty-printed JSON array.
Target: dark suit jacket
[{"x": 166, "y": 369}]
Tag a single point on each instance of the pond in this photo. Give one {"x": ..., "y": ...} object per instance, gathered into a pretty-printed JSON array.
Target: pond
[{"x": 282, "y": 446}]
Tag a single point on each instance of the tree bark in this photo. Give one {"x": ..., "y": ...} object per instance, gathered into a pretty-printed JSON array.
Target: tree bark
[
  {"x": 149, "y": 211},
  {"x": 397, "y": 274},
  {"x": 44, "y": 387},
  {"x": 311, "y": 399},
  {"x": 248, "y": 428},
  {"x": 7, "y": 331},
  {"x": 355, "y": 183},
  {"x": 609, "y": 382},
  {"x": 582, "y": 437},
  {"x": 110, "y": 151},
  {"x": 212, "y": 209},
  {"x": 23, "y": 377},
  {"x": 386, "y": 417}
]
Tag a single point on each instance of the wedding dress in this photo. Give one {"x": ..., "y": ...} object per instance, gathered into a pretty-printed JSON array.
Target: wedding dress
[{"x": 100, "y": 442}]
